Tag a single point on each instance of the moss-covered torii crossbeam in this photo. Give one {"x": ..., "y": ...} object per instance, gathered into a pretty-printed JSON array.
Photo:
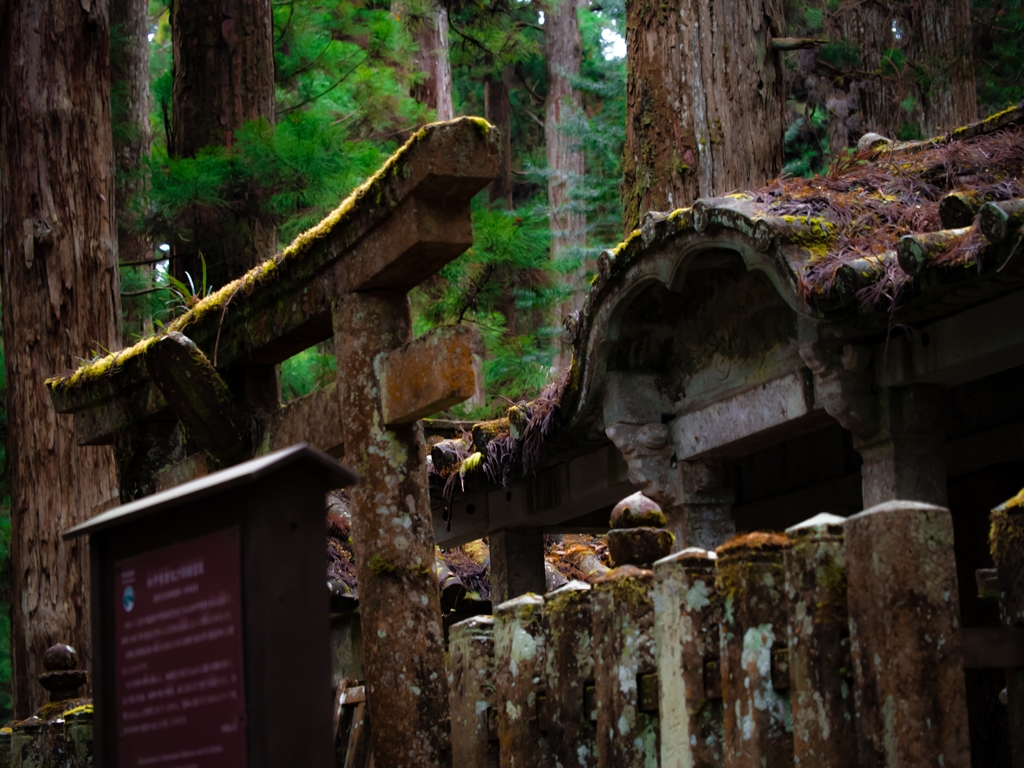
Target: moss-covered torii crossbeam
[{"x": 212, "y": 373}]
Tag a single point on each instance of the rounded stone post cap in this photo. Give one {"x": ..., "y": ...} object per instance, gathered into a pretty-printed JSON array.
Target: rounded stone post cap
[
  {"x": 689, "y": 556},
  {"x": 890, "y": 508},
  {"x": 636, "y": 511},
  {"x": 60, "y": 657},
  {"x": 822, "y": 523}
]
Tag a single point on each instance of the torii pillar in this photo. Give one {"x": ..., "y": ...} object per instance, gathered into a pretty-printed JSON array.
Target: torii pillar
[{"x": 387, "y": 383}]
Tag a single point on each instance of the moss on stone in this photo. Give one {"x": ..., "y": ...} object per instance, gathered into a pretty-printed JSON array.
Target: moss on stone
[{"x": 381, "y": 567}]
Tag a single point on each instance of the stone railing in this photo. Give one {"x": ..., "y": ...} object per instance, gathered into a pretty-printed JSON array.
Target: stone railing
[
  {"x": 835, "y": 644},
  {"x": 59, "y": 735}
]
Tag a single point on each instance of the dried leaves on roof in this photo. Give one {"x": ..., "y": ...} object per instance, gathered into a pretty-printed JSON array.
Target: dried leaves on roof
[{"x": 873, "y": 198}]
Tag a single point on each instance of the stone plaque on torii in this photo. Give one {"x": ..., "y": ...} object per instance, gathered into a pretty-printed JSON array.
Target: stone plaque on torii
[{"x": 210, "y": 378}]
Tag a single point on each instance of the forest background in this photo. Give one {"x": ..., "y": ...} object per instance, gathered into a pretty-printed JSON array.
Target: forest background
[{"x": 353, "y": 79}]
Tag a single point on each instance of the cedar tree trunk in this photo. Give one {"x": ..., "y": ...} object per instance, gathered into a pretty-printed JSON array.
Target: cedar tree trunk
[
  {"x": 431, "y": 36},
  {"x": 563, "y": 49},
  {"x": 129, "y": 79},
  {"x": 498, "y": 111},
  {"x": 919, "y": 59},
  {"x": 60, "y": 304},
  {"x": 223, "y": 77},
  {"x": 705, "y": 101}
]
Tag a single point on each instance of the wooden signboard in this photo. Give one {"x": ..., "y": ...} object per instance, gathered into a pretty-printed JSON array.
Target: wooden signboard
[{"x": 210, "y": 620}]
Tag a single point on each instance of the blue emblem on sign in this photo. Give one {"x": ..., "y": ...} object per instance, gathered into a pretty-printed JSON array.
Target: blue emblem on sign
[{"x": 128, "y": 601}]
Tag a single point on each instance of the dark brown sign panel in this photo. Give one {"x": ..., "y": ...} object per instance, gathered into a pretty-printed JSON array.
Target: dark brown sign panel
[{"x": 179, "y": 667}]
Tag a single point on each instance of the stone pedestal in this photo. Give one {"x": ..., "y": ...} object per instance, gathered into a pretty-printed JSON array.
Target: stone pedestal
[
  {"x": 903, "y": 459},
  {"x": 824, "y": 734},
  {"x": 905, "y": 636},
  {"x": 569, "y": 668},
  {"x": 687, "y": 613},
  {"x": 751, "y": 580},
  {"x": 471, "y": 691}
]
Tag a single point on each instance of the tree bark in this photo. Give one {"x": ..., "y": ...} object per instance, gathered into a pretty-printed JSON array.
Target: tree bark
[
  {"x": 498, "y": 111},
  {"x": 563, "y": 50},
  {"x": 60, "y": 300},
  {"x": 129, "y": 78},
  {"x": 223, "y": 77},
  {"x": 934, "y": 38},
  {"x": 705, "y": 101},
  {"x": 431, "y": 58}
]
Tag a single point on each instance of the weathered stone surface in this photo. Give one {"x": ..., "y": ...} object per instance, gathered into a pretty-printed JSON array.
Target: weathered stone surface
[
  {"x": 687, "y": 613},
  {"x": 568, "y": 667},
  {"x": 1007, "y": 545},
  {"x": 903, "y": 459},
  {"x": 472, "y": 692},
  {"x": 429, "y": 374},
  {"x": 409, "y": 219},
  {"x": 198, "y": 396},
  {"x": 399, "y": 605},
  {"x": 707, "y": 499},
  {"x": 519, "y": 668},
  {"x": 517, "y": 563},
  {"x": 639, "y": 546},
  {"x": 314, "y": 418},
  {"x": 905, "y": 636},
  {"x": 623, "y": 642},
  {"x": 750, "y": 580},
  {"x": 821, "y": 688}
]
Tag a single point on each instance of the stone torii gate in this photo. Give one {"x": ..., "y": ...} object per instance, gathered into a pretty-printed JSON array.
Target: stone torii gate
[{"x": 204, "y": 395}]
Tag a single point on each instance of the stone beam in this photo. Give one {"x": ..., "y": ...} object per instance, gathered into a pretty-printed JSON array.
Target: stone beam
[
  {"x": 969, "y": 345},
  {"x": 429, "y": 374},
  {"x": 314, "y": 419},
  {"x": 766, "y": 414},
  {"x": 198, "y": 396}
]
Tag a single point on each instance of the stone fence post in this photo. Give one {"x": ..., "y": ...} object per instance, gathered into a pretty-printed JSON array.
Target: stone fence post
[
  {"x": 1007, "y": 544},
  {"x": 471, "y": 691},
  {"x": 624, "y": 658},
  {"x": 569, "y": 667},
  {"x": 905, "y": 636},
  {"x": 687, "y": 613},
  {"x": 519, "y": 667},
  {"x": 751, "y": 581},
  {"x": 824, "y": 732}
]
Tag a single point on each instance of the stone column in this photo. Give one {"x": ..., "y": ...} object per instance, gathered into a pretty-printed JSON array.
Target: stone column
[
  {"x": 519, "y": 668},
  {"x": 708, "y": 496},
  {"x": 517, "y": 563},
  {"x": 392, "y": 534},
  {"x": 687, "y": 613},
  {"x": 903, "y": 459},
  {"x": 751, "y": 580},
  {"x": 1007, "y": 544},
  {"x": 471, "y": 691},
  {"x": 627, "y": 737},
  {"x": 904, "y": 607},
  {"x": 824, "y": 734},
  {"x": 569, "y": 666}
]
